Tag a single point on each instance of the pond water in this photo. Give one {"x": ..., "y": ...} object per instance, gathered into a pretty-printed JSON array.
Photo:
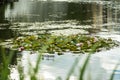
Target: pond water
[
  {"x": 97, "y": 14},
  {"x": 36, "y": 16}
]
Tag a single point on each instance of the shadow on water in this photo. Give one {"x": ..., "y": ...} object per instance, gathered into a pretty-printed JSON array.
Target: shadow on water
[{"x": 6, "y": 34}]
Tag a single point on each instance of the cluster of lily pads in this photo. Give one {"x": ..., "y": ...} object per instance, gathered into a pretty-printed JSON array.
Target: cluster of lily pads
[{"x": 74, "y": 43}]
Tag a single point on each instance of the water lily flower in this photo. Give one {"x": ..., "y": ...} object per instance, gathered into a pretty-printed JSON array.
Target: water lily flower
[
  {"x": 95, "y": 39},
  {"x": 21, "y": 49},
  {"x": 79, "y": 44},
  {"x": 19, "y": 38},
  {"x": 89, "y": 43}
]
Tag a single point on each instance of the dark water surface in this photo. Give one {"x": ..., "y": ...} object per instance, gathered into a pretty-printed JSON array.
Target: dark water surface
[{"x": 103, "y": 14}]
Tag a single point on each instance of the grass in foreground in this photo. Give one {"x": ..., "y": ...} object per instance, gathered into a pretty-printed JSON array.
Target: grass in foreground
[{"x": 6, "y": 60}]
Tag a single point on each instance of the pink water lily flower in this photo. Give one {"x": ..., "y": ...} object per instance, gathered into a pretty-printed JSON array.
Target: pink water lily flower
[{"x": 21, "y": 49}]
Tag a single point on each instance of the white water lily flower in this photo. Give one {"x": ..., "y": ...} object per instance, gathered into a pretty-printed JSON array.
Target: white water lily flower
[
  {"x": 89, "y": 43},
  {"x": 95, "y": 39},
  {"x": 79, "y": 44},
  {"x": 19, "y": 38}
]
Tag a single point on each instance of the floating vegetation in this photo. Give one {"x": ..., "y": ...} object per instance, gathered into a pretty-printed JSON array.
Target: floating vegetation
[{"x": 74, "y": 43}]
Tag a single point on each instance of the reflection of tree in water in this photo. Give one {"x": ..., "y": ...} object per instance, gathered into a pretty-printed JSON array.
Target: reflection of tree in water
[
  {"x": 80, "y": 11},
  {"x": 7, "y": 1},
  {"x": 2, "y": 13},
  {"x": 2, "y": 10},
  {"x": 5, "y": 32}
]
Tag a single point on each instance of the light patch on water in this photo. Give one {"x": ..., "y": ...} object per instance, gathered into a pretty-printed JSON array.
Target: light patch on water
[
  {"x": 109, "y": 35},
  {"x": 67, "y": 27},
  {"x": 48, "y": 76},
  {"x": 69, "y": 32},
  {"x": 99, "y": 66}
]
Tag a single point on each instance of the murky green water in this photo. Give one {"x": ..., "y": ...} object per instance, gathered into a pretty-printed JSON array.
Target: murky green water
[{"x": 97, "y": 14}]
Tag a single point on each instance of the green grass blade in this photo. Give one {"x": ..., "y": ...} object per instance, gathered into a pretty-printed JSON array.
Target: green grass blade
[
  {"x": 20, "y": 70},
  {"x": 72, "y": 69},
  {"x": 113, "y": 72},
  {"x": 82, "y": 70},
  {"x": 11, "y": 56},
  {"x": 4, "y": 65},
  {"x": 38, "y": 62}
]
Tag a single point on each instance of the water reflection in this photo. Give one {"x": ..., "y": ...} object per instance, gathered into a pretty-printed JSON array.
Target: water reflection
[
  {"x": 5, "y": 32},
  {"x": 98, "y": 14},
  {"x": 86, "y": 12},
  {"x": 48, "y": 11},
  {"x": 36, "y": 11},
  {"x": 2, "y": 13}
]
